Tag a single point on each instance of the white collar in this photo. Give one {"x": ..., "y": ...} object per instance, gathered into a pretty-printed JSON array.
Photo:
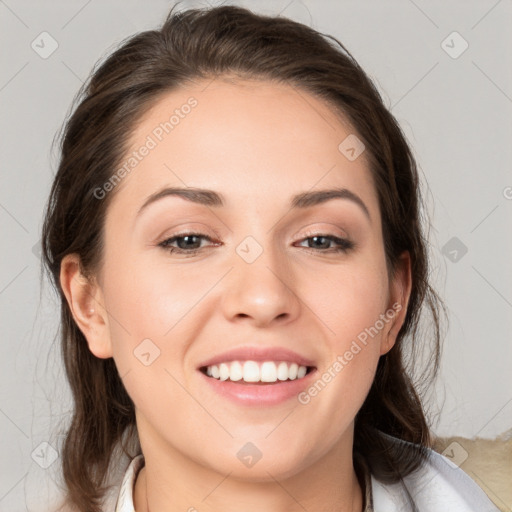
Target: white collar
[{"x": 125, "y": 498}]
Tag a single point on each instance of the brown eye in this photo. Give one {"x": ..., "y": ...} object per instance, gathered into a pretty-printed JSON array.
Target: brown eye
[
  {"x": 322, "y": 243},
  {"x": 186, "y": 243}
]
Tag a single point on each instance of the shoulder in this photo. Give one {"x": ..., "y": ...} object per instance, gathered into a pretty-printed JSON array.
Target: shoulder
[{"x": 437, "y": 485}]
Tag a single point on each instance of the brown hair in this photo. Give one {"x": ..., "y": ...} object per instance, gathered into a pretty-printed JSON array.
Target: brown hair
[{"x": 207, "y": 43}]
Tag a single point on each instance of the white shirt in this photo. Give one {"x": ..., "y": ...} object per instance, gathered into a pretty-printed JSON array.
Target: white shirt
[{"x": 438, "y": 486}]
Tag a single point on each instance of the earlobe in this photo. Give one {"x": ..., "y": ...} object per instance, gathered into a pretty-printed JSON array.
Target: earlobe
[
  {"x": 400, "y": 291},
  {"x": 86, "y": 304}
]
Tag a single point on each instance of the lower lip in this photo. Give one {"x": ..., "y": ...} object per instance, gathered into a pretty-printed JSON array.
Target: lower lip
[{"x": 260, "y": 394}]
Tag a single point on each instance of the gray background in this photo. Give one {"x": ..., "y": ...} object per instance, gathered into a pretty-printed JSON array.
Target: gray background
[{"x": 456, "y": 113}]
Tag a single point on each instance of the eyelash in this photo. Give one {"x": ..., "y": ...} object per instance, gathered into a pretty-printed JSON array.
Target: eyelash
[{"x": 344, "y": 245}]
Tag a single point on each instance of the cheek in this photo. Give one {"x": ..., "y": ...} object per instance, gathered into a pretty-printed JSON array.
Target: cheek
[
  {"x": 352, "y": 351},
  {"x": 347, "y": 299},
  {"x": 147, "y": 311},
  {"x": 148, "y": 299},
  {"x": 349, "y": 302},
  {"x": 155, "y": 309}
]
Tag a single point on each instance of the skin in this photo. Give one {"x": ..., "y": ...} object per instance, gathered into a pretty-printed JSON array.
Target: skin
[{"x": 256, "y": 143}]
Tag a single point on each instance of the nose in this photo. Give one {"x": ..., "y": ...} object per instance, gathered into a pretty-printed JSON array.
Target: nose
[{"x": 262, "y": 292}]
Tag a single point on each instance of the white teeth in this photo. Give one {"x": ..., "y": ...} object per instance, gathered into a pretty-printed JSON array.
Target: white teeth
[
  {"x": 236, "y": 372},
  {"x": 282, "y": 371},
  {"x": 294, "y": 368},
  {"x": 268, "y": 372},
  {"x": 251, "y": 371},
  {"x": 224, "y": 371}
]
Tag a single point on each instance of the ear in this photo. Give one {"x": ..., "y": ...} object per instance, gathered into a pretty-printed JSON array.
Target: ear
[
  {"x": 400, "y": 285},
  {"x": 85, "y": 300}
]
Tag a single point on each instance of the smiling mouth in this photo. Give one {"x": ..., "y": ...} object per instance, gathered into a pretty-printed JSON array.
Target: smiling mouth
[{"x": 259, "y": 373}]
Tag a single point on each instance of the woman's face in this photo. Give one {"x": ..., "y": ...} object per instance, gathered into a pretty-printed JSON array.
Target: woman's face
[{"x": 252, "y": 277}]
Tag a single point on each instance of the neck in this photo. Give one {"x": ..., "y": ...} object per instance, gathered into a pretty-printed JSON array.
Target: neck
[{"x": 173, "y": 482}]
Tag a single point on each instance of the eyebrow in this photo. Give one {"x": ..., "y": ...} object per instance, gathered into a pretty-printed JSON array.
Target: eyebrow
[{"x": 211, "y": 198}]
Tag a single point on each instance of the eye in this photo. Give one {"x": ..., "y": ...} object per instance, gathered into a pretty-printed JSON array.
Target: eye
[
  {"x": 321, "y": 243},
  {"x": 186, "y": 243}
]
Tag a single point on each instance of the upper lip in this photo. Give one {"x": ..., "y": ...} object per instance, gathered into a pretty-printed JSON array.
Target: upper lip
[{"x": 258, "y": 354}]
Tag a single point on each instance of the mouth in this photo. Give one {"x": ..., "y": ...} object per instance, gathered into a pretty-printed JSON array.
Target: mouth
[
  {"x": 257, "y": 376},
  {"x": 257, "y": 372}
]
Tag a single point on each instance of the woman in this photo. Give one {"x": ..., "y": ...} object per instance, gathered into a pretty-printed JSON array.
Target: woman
[{"x": 234, "y": 232}]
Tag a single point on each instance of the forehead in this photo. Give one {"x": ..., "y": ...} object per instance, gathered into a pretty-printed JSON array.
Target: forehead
[
  {"x": 259, "y": 107},
  {"x": 246, "y": 138}
]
